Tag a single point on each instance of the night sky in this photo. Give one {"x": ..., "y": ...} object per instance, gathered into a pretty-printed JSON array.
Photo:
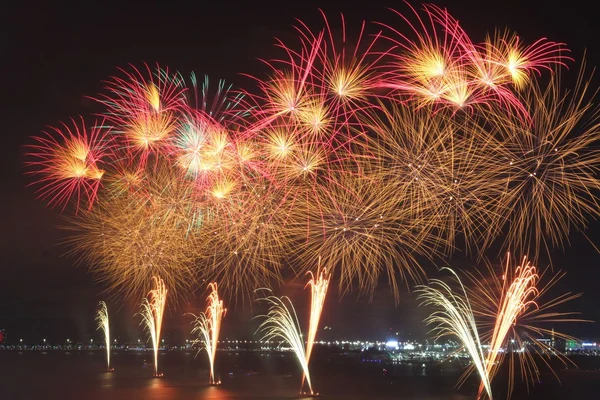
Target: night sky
[{"x": 53, "y": 56}]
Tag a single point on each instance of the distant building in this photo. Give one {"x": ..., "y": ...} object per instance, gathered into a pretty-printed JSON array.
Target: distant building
[{"x": 582, "y": 345}]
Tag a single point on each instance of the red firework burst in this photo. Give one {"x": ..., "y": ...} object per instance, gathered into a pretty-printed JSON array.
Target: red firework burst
[{"x": 68, "y": 162}]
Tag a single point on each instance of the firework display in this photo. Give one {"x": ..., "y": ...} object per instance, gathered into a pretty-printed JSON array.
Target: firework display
[
  {"x": 102, "y": 321},
  {"x": 208, "y": 326},
  {"x": 455, "y": 317},
  {"x": 281, "y": 322},
  {"x": 318, "y": 289},
  {"x": 507, "y": 311},
  {"x": 153, "y": 308},
  {"x": 405, "y": 145},
  {"x": 380, "y": 150},
  {"x": 515, "y": 307}
]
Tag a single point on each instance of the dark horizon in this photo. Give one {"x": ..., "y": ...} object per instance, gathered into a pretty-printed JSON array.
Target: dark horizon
[{"x": 57, "y": 57}]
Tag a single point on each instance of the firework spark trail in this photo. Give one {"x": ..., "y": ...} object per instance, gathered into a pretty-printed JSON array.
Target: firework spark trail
[
  {"x": 455, "y": 317},
  {"x": 318, "y": 289},
  {"x": 514, "y": 305},
  {"x": 498, "y": 307},
  {"x": 518, "y": 295},
  {"x": 208, "y": 326},
  {"x": 372, "y": 150},
  {"x": 102, "y": 321},
  {"x": 153, "y": 308},
  {"x": 550, "y": 176},
  {"x": 281, "y": 322}
]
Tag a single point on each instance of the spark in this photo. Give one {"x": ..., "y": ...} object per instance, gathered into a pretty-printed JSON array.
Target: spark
[
  {"x": 515, "y": 307},
  {"x": 153, "y": 308},
  {"x": 281, "y": 322},
  {"x": 455, "y": 317},
  {"x": 318, "y": 289},
  {"x": 207, "y": 327},
  {"x": 102, "y": 321}
]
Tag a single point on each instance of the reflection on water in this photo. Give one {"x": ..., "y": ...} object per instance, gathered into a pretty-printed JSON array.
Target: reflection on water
[
  {"x": 216, "y": 393},
  {"x": 160, "y": 389},
  {"x": 106, "y": 380},
  {"x": 37, "y": 375}
]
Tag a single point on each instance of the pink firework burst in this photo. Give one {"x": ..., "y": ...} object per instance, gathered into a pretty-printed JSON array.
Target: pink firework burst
[{"x": 68, "y": 162}]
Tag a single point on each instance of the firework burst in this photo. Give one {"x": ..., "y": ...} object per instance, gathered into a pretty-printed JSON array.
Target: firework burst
[
  {"x": 550, "y": 169},
  {"x": 143, "y": 105},
  {"x": 442, "y": 173},
  {"x": 126, "y": 241},
  {"x": 360, "y": 231}
]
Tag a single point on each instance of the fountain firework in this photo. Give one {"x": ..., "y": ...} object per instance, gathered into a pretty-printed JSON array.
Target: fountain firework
[
  {"x": 455, "y": 318},
  {"x": 515, "y": 308},
  {"x": 501, "y": 309},
  {"x": 102, "y": 320},
  {"x": 153, "y": 308},
  {"x": 208, "y": 326},
  {"x": 281, "y": 321},
  {"x": 318, "y": 289},
  {"x": 518, "y": 295}
]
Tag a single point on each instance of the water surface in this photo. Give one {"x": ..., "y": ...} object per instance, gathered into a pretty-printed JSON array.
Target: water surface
[{"x": 249, "y": 376}]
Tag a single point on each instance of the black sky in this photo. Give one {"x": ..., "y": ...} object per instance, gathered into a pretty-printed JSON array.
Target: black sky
[{"x": 54, "y": 55}]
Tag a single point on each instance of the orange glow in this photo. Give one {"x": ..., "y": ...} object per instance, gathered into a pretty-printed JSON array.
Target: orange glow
[{"x": 153, "y": 97}]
